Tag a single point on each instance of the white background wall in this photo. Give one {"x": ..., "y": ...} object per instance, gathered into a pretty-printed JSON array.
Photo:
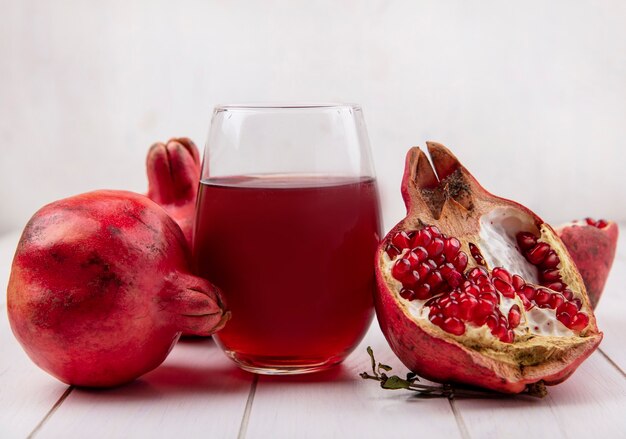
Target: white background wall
[{"x": 530, "y": 94}]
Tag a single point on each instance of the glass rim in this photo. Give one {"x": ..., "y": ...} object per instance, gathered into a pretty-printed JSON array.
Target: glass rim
[{"x": 287, "y": 106}]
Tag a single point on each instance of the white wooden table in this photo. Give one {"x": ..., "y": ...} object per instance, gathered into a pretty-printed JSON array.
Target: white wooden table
[{"x": 198, "y": 392}]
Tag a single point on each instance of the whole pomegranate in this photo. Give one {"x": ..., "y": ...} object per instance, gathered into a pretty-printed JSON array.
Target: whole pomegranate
[
  {"x": 476, "y": 289},
  {"x": 592, "y": 245},
  {"x": 173, "y": 176},
  {"x": 100, "y": 289}
]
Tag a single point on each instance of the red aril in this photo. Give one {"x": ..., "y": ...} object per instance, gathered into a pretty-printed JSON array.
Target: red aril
[
  {"x": 592, "y": 246},
  {"x": 101, "y": 289},
  {"x": 513, "y": 313}
]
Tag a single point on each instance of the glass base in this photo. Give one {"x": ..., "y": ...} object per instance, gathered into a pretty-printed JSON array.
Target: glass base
[{"x": 282, "y": 366}]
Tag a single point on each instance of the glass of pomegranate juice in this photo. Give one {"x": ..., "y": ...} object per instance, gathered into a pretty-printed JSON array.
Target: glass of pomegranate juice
[{"x": 287, "y": 224}]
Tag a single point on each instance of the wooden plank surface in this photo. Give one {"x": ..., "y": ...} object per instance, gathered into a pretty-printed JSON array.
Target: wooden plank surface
[
  {"x": 339, "y": 404},
  {"x": 197, "y": 392},
  {"x": 611, "y": 310}
]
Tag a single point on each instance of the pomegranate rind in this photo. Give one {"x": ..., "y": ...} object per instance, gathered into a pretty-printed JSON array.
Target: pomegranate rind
[
  {"x": 101, "y": 289},
  {"x": 173, "y": 170},
  {"x": 442, "y": 199},
  {"x": 593, "y": 251}
]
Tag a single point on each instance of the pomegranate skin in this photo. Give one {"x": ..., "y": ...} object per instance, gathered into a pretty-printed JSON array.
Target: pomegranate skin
[
  {"x": 100, "y": 289},
  {"x": 450, "y": 198},
  {"x": 173, "y": 170},
  {"x": 593, "y": 250}
]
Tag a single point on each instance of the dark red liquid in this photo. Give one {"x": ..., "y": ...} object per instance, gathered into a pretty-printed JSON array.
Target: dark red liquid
[{"x": 294, "y": 257}]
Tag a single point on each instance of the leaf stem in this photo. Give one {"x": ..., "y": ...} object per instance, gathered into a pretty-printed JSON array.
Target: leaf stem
[{"x": 394, "y": 382}]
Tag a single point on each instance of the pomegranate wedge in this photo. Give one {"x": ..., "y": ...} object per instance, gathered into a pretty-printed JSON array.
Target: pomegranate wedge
[{"x": 476, "y": 289}]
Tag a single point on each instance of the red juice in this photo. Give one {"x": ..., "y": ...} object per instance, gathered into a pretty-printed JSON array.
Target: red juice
[{"x": 294, "y": 257}]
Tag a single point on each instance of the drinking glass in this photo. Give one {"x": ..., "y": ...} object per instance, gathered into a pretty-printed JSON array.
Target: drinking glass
[{"x": 287, "y": 223}]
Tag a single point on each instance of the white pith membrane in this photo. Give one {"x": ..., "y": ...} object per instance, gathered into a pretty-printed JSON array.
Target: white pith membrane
[{"x": 539, "y": 332}]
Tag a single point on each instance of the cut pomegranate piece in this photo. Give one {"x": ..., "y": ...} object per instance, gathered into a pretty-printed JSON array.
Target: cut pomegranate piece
[
  {"x": 592, "y": 246},
  {"x": 173, "y": 176},
  {"x": 501, "y": 304}
]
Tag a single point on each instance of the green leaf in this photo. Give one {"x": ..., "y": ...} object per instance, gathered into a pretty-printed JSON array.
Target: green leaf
[{"x": 394, "y": 382}]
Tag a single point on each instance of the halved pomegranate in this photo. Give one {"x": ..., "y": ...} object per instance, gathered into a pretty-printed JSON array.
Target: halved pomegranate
[
  {"x": 476, "y": 289},
  {"x": 592, "y": 246}
]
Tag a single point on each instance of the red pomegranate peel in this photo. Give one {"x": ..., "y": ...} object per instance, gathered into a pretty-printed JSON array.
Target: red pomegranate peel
[
  {"x": 100, "y": 289},
  {"x": 173, "y": 176}
]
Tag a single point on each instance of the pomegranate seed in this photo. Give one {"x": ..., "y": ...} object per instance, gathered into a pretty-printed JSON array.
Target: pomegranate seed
[
  {"x": 451, "y": 247},
  {"x": 601, "y": 224},
  {"x": 452, "y": 309},
  {"x": 556, "y": 286},
  {"x": 436, "y": 319},
  {"x": 435, "y": 248},
  {"x": 508, "y": 337},
  {"x": 472, "y": 290},
  {"x": 443, "y": 301},
  {"x": 518, "y": 282},
  {"x": 422, "y": 292},
  {"x": 433, "y": 230},
  {"x": 577, "y": 303},
  {"x": 422, "y": 238},
  {"x": 439, "y": 259},
  {"x": 527, "y": 303},
  {"x": 482, "y": 280},
  {"x": 411, "y": 279},
  {"x": 491, "y": 321},
  {"x": 551, "y": 260},
  {"x": 567, "y": 308},
  {"x": 550, "y": 275},
  {"x": 453, "y": 326},
  {"x": 401, "y": 240},
  {"x": 542, "y": 298},
  {"x": 476, "y": 272},
  {"x": 501, "y": 273},
  {"x": 564, "y": 318},
  {"x": 504, "y": 287},
  {"x": 460, "y": 261},
  {"x": 407, "y": 294},
  {"x": 432, "y": 264},
  {"x": 579, "y": 321},
  {"x": 514, "y": 316},
  {"x": 451, "y": 276},
  {"x": 476, "y": 254},
  {"x": 454, "y": 279},
  {"x": 590, "y": 221},
  {"x": 467, "y": 306},
  {"x": 528, "y": 291},
  {"x": 416, "y": 256},
  {"x": 499, "y": 331},
  {"x": 568, "y": 294},
  {"x": 487, "y": 288},
  {"x": 538, "y": 253},
  {"x": 482, "y": 309},
  {"x": 400, "y": 268},
  {"x": 526, "y": 240},
  {"x": 392, "y": 251},
  {"x": 490, "y": 297},
  {"x": 423, "y": 269},
  {"x": 434, "y": 279},
  {"x": 556, "y": 300}
]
